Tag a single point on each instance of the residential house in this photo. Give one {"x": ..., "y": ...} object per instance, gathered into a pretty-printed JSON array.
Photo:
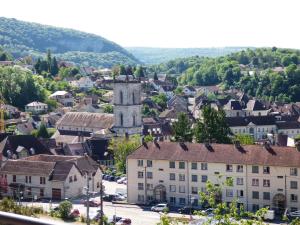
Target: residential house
[
  {"x": 256, "y": 108},
  {"x": 50, "y": 176},
  {"x": 157, "y": 128},
  {"x": 233, "y": 108},
  {"x": 172, "y": 172},
  {"x": 207, "y": 90},
  {"x": 189, "y": 91},
  {"x": 63, "y": 97},
  {"x": 36, "y": 107},
  {"x": 20, "y": 146},
  {"x": 84, "y": 83}
]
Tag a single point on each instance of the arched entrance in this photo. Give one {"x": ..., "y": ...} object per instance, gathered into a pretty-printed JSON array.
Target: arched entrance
[
  {"x": 160, "y": 193},
  {"x": 279, "y": 203}
]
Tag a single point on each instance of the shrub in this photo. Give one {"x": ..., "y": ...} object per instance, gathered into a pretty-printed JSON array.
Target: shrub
[{"x": 64, "y": 209}]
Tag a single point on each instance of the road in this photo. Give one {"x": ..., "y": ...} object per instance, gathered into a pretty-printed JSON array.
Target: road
[{"x": 138, "y": 215}]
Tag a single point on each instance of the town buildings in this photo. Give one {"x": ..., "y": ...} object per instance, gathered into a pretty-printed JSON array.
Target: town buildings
[
  {"x": 49, "y": 176},
  {"x": 36, "y": 107},
  {"x": 63, "y": 97},
  {"x": 263, "y": 175}
]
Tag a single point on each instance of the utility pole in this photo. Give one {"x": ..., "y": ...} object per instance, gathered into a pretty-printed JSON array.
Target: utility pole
[
  {"x": 101, "y": 203},
  {"x": 87, "y": 199},
  {"x": 145, "y": 171}
]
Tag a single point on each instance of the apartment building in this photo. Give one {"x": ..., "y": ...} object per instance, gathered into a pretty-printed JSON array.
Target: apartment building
[{"x": 172, "y": 172}]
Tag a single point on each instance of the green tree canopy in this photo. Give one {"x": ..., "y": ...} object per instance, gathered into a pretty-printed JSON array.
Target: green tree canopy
[
  {"x": 212, "y": 127},
  {"x": 182, "y": 129}
]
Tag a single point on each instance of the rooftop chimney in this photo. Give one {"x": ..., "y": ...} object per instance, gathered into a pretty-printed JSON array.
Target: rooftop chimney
[{"x": 237, "y": 144}]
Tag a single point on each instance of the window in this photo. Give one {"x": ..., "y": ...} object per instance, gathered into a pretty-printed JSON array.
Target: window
[
  {"x": 133, "y": 121},
  {"x": 172, "y": 200},
  {"x": 239, "y": 181},
  {"x": 203, "y": 166},
  {"x": 229, "y": 168},
  {"x": 70, "y": 179},
  {"x": 294, "y": 198},
  {"x": 133, "y": 98},
  {"x": 121, "y": 119},
  {"x": 140, "y": 174},
  {"x": 149, "y": 163},
  {"x": 141, "y": 198},
  {"x": 29, "y": 191},
  {"x": 255, "y": 207},
  {"x": 194, "y": 190},
  {"x": 203, "y": 178},
  {"x": 75, "y": 178},
  {"x": 181, "y": 165},
  {"x": 42, "y": 180},
  {"x": 266, "y": 196},
  {"x": 266, "y": 183},
  {"x": 229, "y": 193},
  {"x": 140, "y": 186},
  {"x": 182, "y": 201},
  {"x": 98, "y": 184},
  {"x": 255, "y": 182},
  {"x": 172, "y": 188},
  {"x": 149, "y": 175},
  {"x": 181, "y": 177},
  {"x": 14, "y": 178},
  {"x": 172, "y": 176},
  {"x": 181, "y": 189},
  {"x": 121, "y": 97},
  {"x": 194, "y": 166},
  {"x": 239, "y": 168},
  {"x": 28, "y": 179},
  {"x": 172, "y": 165},
  {"x": 194, "y": 178},
  {"x": 140, "y": 163},
  {"x": 294, "y": 172},
  {"x": 240, "y": 193},
  {"x": 149, "y": 186},
  {"x": 266, "y": 170},
  {"x": 255, "y": 194},
  {"x": 42, "y": 192},
  {"x": 294, "y": 184},
  {"x": 255, "y": 169}
]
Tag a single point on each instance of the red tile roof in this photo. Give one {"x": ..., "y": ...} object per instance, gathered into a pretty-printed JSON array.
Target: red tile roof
[{"x": 219, "y": 153}]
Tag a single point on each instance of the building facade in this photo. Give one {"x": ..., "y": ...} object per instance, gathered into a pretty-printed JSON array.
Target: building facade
[
  {"x": 127, "y": 106},
  {"x": 176, "y": 172}
]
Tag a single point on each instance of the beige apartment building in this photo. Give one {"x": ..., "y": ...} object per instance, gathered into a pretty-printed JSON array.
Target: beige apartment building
[{"x": 172, "y": 172}]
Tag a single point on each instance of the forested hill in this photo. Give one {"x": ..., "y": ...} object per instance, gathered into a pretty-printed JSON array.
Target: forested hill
[
  {"x": 160, "y": 55},
  {"x": 269, "y": 73},
  {"x": 23, "y": 38}
]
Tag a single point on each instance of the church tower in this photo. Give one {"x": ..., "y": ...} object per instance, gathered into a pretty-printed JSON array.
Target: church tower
[{"x": 127, "y": 105}]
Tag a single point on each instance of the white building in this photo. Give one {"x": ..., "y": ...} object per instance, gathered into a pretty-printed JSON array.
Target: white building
[
  {"x": 49, "y": 176},
  {"x": 175, "y": 173},
  {"x": 36, "y": 107},
  {"x": 63, "y": 97},
  {"x": 84, "y": 83}
]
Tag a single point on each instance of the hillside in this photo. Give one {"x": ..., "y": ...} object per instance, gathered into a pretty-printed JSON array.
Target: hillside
[
  {"x": 269, "y": 73},
  {"x": 23, "y": 38},
  {"x": 160, "y": 55}
]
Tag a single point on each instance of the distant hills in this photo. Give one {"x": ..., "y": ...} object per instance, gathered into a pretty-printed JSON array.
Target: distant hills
[
  {"x": 160, "y": 55},
  {"x": 24, "y": 38}
]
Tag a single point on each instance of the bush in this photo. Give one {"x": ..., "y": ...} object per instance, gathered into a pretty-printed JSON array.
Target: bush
[{"x": 64, "y": 209}]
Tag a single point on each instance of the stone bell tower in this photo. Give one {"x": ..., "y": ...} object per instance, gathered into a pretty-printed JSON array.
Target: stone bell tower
[{"x": 127, "y": 105}]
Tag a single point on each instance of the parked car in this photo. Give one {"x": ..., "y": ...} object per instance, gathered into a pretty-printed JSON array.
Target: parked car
[
  {"x": 110, "y": 178},
  {"x": 293, "y": 215},
  {"x": 160, "y": 207},
  {"x": 75, "y": 213},
  {"x": 108, "y": 198},
  {"x": 209, "y": 212},
  {"x": 118, "y": 197},
  {"x": 121, "y": 180},
  {"x": 92, "y": 203},
  {"x": 187, "y": 210},
  {"x": 124, "y": 221},
  {"x": 114, "y": 219}
]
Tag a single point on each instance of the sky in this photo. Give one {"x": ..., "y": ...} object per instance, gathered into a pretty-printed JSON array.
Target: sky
[{"x": 170, "y": 23}]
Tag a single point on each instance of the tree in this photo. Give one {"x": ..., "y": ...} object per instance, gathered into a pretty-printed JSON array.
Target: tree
[
  {"x": 37, "y": 66},
  {"x": 108, "y": 109},
  {"x": 122, "y": 70},
  {"x": 178, "y": 90},
  {"x": 244, "y": 139},
  {"x": 121, "y": 148},
  {"x": 139, "y": 72},
  {"x": 54, "y": 67},
  {"x": 155, "y": 77},
  {"x": 49, "y": 60},
  {"x": 42, "y": 132},
  {"x": 146, "y": 111},
  {"x": 148, "y": 138},
  {"x": 52, "y": 104},
  {"x": 182, "y": 129},
  {"x": 129, "y": 70},
  {"x": 160, "y": 100},
  {"x": 64, "y": 209},
  {"x": 212, "y": 127}
]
